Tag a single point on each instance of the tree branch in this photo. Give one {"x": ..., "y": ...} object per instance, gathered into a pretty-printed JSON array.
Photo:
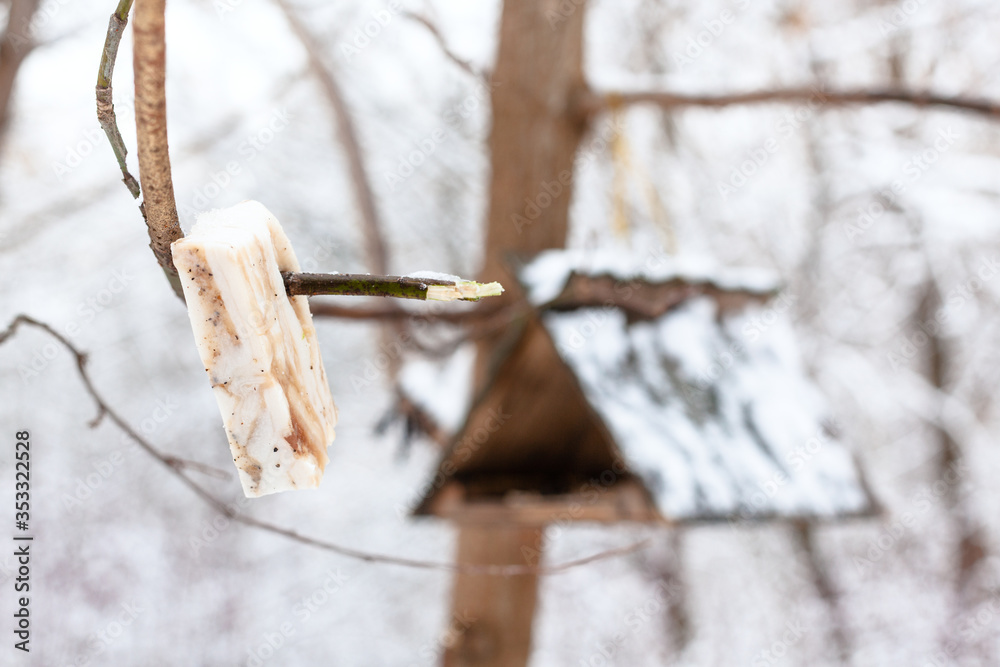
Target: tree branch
[
  {"x": 596, "y": 102},
  {"x": 176, "y": 466},
  {"x": 105, "y": 97},
  {"x": 439, "y": 38},
  {"x": 401, "y": 287},
  {"x": 151, "y": 132}
]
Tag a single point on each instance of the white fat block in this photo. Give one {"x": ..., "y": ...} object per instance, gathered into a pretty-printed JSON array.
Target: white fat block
[{"x": 258, "y": 346}]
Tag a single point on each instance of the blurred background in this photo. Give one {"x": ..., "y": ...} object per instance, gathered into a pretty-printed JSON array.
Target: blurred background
[{"x": 257, "y": 95}]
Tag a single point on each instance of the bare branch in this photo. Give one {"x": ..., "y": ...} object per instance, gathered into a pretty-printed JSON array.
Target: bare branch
[
  {"x": 176, "y": 466},
  {"x": 105, "y": 97},
  {"x": 401, "y": 287},
  {"x": 596, "y": 102},
  {"x": 151, "y": 131},
  {"x": 103, "y": 410},
  {"x": 439, "y": 38}
]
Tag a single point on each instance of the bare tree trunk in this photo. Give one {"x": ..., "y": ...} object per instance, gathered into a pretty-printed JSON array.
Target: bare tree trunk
[{"x": 536, "y": 132}]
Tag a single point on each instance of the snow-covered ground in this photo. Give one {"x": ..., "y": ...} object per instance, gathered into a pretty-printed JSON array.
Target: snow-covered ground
[{"x": 130, "y": 568}]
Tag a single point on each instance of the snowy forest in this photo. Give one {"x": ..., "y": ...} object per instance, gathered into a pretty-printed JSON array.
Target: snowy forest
[{"x": 732, "y": 407}]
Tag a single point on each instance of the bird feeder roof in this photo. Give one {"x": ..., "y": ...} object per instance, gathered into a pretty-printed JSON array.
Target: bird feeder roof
[{"x": 695, "y": 376}]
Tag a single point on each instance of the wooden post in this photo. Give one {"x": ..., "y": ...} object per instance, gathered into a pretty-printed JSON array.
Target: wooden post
[{"x": 496, "y": 612}]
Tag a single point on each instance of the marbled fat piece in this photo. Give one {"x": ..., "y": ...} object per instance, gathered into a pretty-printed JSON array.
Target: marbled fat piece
[{"x": 258, "y": 346}]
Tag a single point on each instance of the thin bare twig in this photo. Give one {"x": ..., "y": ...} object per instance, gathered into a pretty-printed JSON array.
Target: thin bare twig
[
  {"x": 595, "y": 102},
  {"x": 151, "y": 134},
  {"x": 105, "y": 97},
  {"x": 401, "y": 287},
  {"x": 176, "y": 467},
  {"x": 172, "y": 462},
  {"x": 439, "y": 38}
]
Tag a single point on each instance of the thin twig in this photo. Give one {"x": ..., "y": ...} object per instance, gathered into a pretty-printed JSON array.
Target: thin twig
[
  {"x": 105, "y": 97},
  {"x": 176, "y": 467},
  {"x": 172, "y": 462},
  {"x": 439, "y": 38},
  {"x": 595, "y": 102},
  {"x": 151, "y": 133}
]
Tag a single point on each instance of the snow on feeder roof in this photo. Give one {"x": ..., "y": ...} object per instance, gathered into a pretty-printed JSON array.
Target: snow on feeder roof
[{"x": 666, "y": 391}]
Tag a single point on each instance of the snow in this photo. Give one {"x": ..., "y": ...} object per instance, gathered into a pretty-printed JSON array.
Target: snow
[
  {"x": 546, "y": 274},
  {"x": 442, "y": 388},
  {"x": 434, "y": 275},
  {"x": 715, "y": 423}
]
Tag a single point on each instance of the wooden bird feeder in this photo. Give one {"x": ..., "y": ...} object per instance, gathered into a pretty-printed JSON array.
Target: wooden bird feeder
[{"x": 651, "y": 394}]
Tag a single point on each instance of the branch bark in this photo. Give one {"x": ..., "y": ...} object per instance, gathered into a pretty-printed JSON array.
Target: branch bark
[
  {"x": 151, "y": 134},
  {"x": 594, "y": 102},
  {"x": 401, "y": 287},
  {"x": 105, "y": 96}
]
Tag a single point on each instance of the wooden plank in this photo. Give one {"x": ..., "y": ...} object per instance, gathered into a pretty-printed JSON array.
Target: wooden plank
[{"x": 626, "y": 500}]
